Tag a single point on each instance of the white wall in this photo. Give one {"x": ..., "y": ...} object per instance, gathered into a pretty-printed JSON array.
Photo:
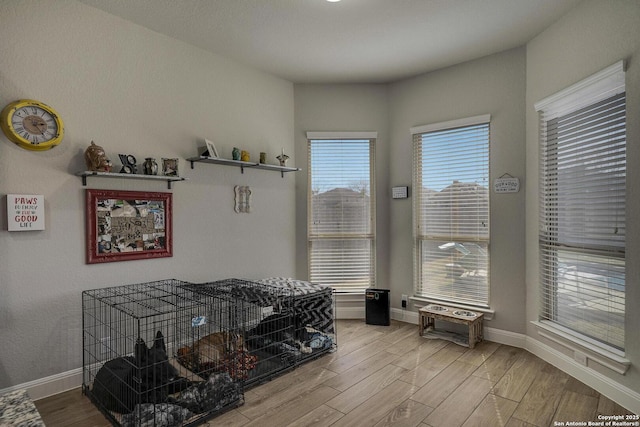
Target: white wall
[
  {"x": 593, "y": 36},
  {"x": 344, "y": 108},
  {"x": 495, "y": 85},
  {"x": 134, "y": 91},
  {"x": 492, "y": 85}
]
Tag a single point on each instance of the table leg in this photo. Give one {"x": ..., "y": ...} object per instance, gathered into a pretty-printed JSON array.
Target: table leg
[{"x": 472, "y": 335}]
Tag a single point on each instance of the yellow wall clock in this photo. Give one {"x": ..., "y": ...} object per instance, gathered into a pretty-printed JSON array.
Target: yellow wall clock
[{"x": 32, "y": 125}]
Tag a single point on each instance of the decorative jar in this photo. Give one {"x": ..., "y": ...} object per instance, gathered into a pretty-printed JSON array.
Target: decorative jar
[{"x": 150, "y": 166}]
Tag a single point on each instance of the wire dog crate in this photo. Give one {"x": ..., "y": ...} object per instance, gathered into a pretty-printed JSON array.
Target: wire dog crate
[
  {"x": 313, "y": 308},
  {"x": 286, "y": 322},
  {"x": 131, "y": 370},
  {"x": 263, "y": 314},
  {"x": 207, "y": 352}
]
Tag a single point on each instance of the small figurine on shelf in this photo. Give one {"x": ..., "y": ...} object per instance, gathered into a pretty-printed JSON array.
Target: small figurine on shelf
[
  {"x": 96, "y": 159},
  {"x": 283, "y": 158},
  {"x": 128, "y": 164},
  {"x": 235, "y": 154},
  {"x": 263, "y": 157},
  {"x": 150, "y": 166},
  {"x": 244, "y": 156}
]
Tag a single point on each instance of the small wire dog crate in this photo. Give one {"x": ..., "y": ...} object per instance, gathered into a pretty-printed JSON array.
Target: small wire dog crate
[
  {"x": 131, "y": 338},
  {"x": 313, "y": 315}
]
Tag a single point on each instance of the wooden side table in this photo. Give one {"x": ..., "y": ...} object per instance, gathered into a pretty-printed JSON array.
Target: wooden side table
[{"x": 474, "y": 320}]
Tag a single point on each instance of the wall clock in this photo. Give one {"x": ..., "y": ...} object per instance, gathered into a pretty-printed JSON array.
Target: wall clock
[{"x": 32, "y": 125}]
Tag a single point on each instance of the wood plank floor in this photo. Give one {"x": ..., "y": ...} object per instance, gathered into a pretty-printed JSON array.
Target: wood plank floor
[{"x": 390, "y": 376}]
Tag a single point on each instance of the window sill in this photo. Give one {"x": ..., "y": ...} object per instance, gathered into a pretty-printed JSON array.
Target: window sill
[
  {"x": 422, "y": 301},
  {"x": 584, "y": 351},
  {"x": 338, "y": 292},
  {"x": 349, "y": 297}
]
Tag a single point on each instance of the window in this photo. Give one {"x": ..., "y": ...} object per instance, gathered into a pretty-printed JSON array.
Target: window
[
  {"x": 451, "y": 211},
  {"x": 582, "y": 208},
  {"x": 341, "y": 214}
]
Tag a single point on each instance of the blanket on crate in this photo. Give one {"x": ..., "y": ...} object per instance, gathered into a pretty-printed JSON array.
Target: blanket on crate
[
  {"x": 313, "y": 304},
  {"x": 206, "y": 397}
]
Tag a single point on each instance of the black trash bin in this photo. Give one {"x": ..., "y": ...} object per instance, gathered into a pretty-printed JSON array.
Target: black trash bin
[{"x": 377, "y": 307}]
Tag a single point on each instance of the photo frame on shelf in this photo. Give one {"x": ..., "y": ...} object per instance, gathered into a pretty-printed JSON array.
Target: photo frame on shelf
[
  {"x": 128, "y": 225},
  {"x": 170, "y": 167},
  {"x": 211, "y": 149}
]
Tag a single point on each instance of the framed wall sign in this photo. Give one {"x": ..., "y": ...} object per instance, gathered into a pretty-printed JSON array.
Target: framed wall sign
[
  {"x": 128, "y": 225},
  {"x": 25, "y": 212},
  {"x": 506, "y": 184}
]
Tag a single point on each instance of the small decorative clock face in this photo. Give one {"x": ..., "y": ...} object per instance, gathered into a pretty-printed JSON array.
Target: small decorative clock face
[{"x": 32, "y": 125}]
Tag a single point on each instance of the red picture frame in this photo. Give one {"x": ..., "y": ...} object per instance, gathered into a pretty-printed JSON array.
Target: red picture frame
[{"x": 128, "y": 225}]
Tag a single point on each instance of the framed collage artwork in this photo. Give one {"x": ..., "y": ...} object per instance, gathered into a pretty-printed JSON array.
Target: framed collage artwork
[{"x": 128, "y": 225}]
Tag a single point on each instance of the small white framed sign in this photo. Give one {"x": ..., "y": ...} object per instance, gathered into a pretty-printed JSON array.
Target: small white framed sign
[
  {"x": 506, "y": 185},
  {"x": 25, "y": 212},
  {"x": 211, "y": 148}
]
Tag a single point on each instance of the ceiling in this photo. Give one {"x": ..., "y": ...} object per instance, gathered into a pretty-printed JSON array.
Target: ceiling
[{"x": 352, "y": 41}]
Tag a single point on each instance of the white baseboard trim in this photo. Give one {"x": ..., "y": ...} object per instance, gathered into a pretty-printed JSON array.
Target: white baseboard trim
[
  {"x": 350, "y": 313},
  {"x": 48, "y": 386},
  {"x": 501, "y": 336},
  {"x": 408, "y": 316}
]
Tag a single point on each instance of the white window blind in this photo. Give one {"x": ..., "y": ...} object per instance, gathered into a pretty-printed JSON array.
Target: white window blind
[
  {"x": 451, "y": 211},
  {"x": 341, "y": 214},
  {"x": 583, "y": 208}
]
